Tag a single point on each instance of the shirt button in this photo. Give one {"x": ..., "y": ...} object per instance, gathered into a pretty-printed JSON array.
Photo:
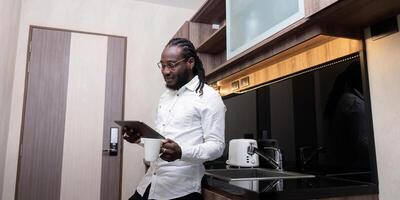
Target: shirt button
[
  {"x": 154, "y": 173},
  {"x": 163, "y": 125},
  {"x": 169, "y": 110},
  {"x": 177, "y": 95}
]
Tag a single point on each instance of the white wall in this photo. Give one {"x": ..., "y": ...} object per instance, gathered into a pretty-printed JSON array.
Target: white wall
[
  {"x": 9, "y": 21},
  {"x": 383, "y": 58},
  {"x": 148, "y": 28}
]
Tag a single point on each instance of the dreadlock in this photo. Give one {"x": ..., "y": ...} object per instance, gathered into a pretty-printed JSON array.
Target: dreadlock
[{"x": 189, "y": 51}]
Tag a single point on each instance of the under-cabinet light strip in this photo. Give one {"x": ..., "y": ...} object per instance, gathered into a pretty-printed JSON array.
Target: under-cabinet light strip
[{"x": 302, "y": 72}]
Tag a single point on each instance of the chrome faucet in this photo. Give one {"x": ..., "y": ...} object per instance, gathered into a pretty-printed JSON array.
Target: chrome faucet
[{"x": 276, "y": 162}]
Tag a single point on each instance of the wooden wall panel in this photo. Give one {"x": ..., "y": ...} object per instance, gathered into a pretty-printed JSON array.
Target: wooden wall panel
[
  {"x": 211, "y": 61},
  {"x": 183, "y": 31},
  {"x": 41, "y": 150},
  {"x": 199, "y": 32},
  {"x": 113, "y": 110}
]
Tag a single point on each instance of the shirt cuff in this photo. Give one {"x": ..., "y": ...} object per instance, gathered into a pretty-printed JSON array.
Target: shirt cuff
[{"x": 186, "y": 153}]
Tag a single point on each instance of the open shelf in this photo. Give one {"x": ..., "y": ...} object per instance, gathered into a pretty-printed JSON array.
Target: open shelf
[{"x": 216, "y": 43}]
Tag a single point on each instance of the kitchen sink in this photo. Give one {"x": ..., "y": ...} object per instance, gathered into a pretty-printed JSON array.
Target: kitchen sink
[{"x": 243, "y": 174}]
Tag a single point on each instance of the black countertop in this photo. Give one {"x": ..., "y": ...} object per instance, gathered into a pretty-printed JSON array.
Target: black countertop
[{"x": 307, "y": 188}]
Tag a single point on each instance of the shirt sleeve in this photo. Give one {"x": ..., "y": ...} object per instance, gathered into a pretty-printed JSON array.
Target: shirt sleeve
[{"x": 213, "y": 125}]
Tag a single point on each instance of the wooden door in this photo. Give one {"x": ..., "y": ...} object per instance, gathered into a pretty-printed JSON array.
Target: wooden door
[{"x": 74, "y": 92}]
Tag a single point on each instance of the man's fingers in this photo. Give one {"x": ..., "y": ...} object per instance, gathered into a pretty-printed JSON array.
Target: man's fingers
[
  {"x": 168, "y": 145},
  {"x": 166, "y": 151},
  {"x": 167, "y": 140}
]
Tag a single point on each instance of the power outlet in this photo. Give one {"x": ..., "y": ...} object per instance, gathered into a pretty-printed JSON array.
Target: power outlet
[
  {"x": 244, "y": 82},
  {"x": 235, "y": 85}
]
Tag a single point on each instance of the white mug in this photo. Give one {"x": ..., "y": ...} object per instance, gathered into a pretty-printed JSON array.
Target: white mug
[{"x": 151, "y": 148}]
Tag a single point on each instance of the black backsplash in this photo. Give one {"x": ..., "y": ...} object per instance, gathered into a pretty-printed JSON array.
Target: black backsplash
[{"x": 318, "y": 118}]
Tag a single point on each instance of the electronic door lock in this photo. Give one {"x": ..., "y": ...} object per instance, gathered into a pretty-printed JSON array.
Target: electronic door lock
[{"x": 113, "y": 150}]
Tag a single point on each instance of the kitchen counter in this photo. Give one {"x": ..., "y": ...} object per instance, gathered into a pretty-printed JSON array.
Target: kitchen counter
[{"x": 307, "y": 188}]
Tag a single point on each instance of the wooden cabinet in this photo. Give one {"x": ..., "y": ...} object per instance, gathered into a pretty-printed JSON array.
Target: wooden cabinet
[
  {"x": 322, "y": 17},
  {"x": 361, "y": 197},
  {"x": 207, "y": 31},
  {"x": 200, "y": 34},
  {"x": 209, "y": 194}
]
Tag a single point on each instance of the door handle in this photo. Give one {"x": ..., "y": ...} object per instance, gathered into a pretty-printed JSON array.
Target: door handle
[{"x": 113, "y": 148}]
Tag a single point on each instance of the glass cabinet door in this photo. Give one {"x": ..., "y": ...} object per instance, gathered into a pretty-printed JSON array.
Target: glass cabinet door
[{"x": 251, "y": 21}]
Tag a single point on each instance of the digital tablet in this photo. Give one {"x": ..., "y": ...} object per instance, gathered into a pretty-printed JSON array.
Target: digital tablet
[{"x": 142, "y": 128}]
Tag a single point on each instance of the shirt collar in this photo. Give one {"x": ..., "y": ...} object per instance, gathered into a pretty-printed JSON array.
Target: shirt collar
[{"x": 191, "y": 85}]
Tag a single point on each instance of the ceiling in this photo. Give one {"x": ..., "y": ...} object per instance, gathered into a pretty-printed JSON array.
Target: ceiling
[{"x": 190, "y": 4}]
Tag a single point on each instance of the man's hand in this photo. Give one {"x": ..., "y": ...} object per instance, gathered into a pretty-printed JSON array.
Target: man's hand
[
  {"x": 130, "y": 135},
  {"x": 170, "y": 150}
]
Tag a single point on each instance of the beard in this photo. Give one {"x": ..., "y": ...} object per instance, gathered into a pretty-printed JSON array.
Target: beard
[{"x": 181, "y": 80}]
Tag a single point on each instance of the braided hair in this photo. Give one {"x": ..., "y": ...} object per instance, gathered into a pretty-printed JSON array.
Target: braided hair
[{"x": 189, "y": 51}]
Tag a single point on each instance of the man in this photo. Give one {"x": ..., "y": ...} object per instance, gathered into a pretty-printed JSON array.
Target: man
[{"x": 191, "y": 115}]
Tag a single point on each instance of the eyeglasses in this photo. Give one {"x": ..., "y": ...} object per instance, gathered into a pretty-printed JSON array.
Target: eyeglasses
[{"x": 169, "y": 65}]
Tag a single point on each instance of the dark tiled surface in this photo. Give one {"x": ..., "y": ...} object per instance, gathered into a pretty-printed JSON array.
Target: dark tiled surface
[{"x": 310, "y": 188}]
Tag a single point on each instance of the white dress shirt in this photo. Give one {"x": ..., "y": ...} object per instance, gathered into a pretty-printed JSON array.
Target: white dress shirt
[{"x": 197, "y": 124}]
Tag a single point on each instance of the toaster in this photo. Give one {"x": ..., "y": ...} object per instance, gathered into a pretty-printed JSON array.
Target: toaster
[{"x": 238, "y": 156}]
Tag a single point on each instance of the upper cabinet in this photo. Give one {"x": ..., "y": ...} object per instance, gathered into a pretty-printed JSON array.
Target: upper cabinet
[
  {"x": 306, "y": 24},
  {"x": 250, "y": 22}
]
